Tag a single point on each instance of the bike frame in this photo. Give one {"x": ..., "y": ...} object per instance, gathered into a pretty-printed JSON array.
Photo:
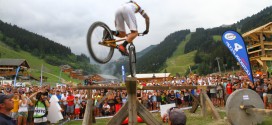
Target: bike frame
[{"x": 112, "y": 43}]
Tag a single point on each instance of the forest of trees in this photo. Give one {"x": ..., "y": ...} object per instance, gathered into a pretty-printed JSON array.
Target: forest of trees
[{"x": 53, "y": 53}]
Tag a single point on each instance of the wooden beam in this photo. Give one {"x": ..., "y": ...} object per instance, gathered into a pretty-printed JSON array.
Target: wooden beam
[
  {"x": 145, "y": 87},
  {"x": 214, "y": 112},
  {"x": 121, "y": 116},
  {"x": 87, "y": 120},
  {"x": 131, "y": 85},
  {"x": 146, "y": 115}
]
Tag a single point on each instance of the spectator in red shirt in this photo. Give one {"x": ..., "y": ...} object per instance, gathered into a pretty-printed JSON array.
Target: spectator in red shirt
[
  {"x": 70, "y": 105},
  {"x": 228, "y": 89}
]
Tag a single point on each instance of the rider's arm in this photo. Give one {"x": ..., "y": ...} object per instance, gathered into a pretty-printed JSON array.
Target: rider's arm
[
  {"x": 142, "y": 12},
  {"x": 146, "y": 21}
]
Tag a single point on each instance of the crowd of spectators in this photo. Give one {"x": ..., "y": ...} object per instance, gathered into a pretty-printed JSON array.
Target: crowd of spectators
[{"x": 108, "y": 102}]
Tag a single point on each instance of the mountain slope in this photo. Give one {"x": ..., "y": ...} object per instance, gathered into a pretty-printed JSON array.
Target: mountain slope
[
  {"x": 52, "y": 72},
  {"x": 180, "y": 62}
]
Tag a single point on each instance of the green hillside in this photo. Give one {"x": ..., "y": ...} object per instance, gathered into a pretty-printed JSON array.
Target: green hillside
[
  {"x": 180, "y": 62},
  {"x": 52, "y": 72}
]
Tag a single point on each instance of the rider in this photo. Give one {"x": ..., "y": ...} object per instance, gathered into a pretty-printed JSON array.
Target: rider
[{"x": 126, "y": 13}]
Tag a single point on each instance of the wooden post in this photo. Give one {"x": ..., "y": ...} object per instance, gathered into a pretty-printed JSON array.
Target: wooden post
[
  {"x": 203, "y": 103},
  {"x": 88, "y": 115},
  {"x": 214, "y": 112},
  {"x": 132, "y": 99}
]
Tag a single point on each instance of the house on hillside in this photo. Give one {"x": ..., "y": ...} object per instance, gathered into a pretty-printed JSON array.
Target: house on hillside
[
  {"x": 158, "y": 77},
  {"x": 102, "y": 78},
  {"x": 77, "y": 74},
  {"x": 66, "y": 68},
  {"x": 8, "y": 67}
]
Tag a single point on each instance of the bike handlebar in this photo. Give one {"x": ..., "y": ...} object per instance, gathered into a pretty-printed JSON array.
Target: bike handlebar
[{"x": 141, "y": 34}]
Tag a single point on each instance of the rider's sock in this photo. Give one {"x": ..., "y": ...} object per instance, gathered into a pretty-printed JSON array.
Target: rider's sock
[{"x": 125, "y": 44}]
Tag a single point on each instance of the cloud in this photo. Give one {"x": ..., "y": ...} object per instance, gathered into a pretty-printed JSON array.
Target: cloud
[{"x": 67, "y": 21}]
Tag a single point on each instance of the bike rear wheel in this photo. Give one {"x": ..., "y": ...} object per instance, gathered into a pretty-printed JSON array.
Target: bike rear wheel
[
  {"x": 132, "y": 60},
  {"x": 100, "y": 53}
]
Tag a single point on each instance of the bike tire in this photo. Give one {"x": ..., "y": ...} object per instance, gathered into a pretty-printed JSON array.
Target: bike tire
[
  {"x": 132, "y": 60},
  {"x": 93, "y": 44}
]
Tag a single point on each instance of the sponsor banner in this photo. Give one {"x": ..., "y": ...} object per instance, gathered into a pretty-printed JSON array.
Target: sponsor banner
[
  {"x": 235, "y": 43},
  {"x": 123, "y": 73},
  {"x": 18, "y": 69}
]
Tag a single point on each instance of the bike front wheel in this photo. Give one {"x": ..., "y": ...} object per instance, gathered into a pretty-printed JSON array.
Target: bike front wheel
[
  {"x": 132, "y": 60},
  {"x": 96, "y": 35}
]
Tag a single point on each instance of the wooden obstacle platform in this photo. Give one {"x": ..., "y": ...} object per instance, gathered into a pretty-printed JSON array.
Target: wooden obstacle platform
[{"x": 133, "y": 108}]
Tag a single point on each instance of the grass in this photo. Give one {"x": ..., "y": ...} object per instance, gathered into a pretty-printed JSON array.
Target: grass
[
  {"x": 192, "y": 119},
  {"x": 180, "y": 62},
  {"x": 216, "y": 37},
  {"x": 35, "y": 63}
]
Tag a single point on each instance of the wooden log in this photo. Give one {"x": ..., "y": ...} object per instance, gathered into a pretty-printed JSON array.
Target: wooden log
[
  {"x": 132, "y": 99},
  {"x": 118, "y": 118},
  {"x": 214, "y": 111},
  {"x": 250, "y": 109},
  {"x": 87, "y": 120},
  {"x": 195, "y": 104},
  {"x": 203, "y": 104},
  {"x": 147, "y": 117},
  {"x": 144, "y": 87}
]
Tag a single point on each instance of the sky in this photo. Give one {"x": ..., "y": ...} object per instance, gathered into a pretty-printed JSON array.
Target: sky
[{"x": 67, "y": 21}]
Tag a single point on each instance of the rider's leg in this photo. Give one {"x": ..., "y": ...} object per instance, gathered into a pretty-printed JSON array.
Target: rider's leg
[{"x": 130, "y": 37}]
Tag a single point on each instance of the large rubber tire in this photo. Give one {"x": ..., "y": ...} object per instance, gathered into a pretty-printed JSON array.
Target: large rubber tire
[
  {"x": 132, "y": 60},
  {"x": 92, "y": 44}
]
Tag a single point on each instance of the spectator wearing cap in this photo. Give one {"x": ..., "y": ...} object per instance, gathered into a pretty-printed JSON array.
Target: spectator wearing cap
[
  {"x": 6, "y": 105},
  {"x": 176, "y": 117}
]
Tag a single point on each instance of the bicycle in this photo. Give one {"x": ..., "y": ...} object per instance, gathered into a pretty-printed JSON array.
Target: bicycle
[{"x": 96, "y": 43}]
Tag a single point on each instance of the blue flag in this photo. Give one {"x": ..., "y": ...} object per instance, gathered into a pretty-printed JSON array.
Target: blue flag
[
  {"x": 18, "y": 69},
  {"x": 235, "y": 43},
  {"x": 123, "y": 73}
]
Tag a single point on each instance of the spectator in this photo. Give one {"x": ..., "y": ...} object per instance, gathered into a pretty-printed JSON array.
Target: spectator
[
  {"x": 172, "y": 97},
  {"x": 23, "y": 110},
  {"x": 14, "y": 111},
  {"x": 106, "y": 109},
  {"x": 77, "y": 107},
  {"x": 269, "y": 96},
  {"x": 159, "y": 99},
  {"x": 178, "y": 97},
  {"x": 64, "y": 104},
  {"x": 30, "y": 119},
  {"x": 70, "y": 105},
  {"x": 154, "y": 100},
  {"x": 145, "y": 100},
  {"x": 219, "y": 94},
  {"x": 41, "y": 108},
  {"x": 6, "y": 105},
  {"x": 82, "y": 107},
  {"x": 176, "y": 117},
  {"x": 228, "y": 89}
]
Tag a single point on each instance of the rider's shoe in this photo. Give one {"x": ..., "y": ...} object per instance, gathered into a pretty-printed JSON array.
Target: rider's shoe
[
  {"x": 123, "y": 50},
  {"x": 106, "y": 35}
]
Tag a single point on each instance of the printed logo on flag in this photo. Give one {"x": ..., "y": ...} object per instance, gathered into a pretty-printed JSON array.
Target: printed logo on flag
[{"x": 230, "y": 36}]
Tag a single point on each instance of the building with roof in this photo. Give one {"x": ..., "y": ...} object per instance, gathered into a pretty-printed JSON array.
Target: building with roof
[
  {"x": 8, "y": 67},
  {"x": 259, "y": 46},
  {"x": 159, "y": 77}
]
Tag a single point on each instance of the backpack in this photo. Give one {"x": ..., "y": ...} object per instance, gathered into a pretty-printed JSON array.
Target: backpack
[{"x": 40, "y": 110}]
